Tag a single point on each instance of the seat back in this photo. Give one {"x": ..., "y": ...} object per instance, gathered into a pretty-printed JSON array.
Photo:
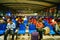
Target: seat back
[
  {"x": 32, "y": 27},
  {"x": 25, "y": 22},
  {"x": 22, "y": 27},
  {"x": 50, "y": 27},
  {"x": 45, "y": 23},
  {"x": 2, "y": 26}
]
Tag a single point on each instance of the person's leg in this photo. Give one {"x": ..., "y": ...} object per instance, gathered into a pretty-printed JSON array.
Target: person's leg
[
  {"x": 6, "y": 34},
  {"x": 16, "y": 36},
  {"x": 12, "y": 32},
  {"x": 40, "y": 34}
]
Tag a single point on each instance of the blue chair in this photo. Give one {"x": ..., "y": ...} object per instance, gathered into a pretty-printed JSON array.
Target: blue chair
[
  {"x": 32, "y": 28},
  {"x": 51, "y": 29},
  {"x": 46, "y": 24},
  {"x": 25, "y": 22},
  {"x": 52, "y": 32},
  {"x": 2, "y": 28},
  {"x": 21, "y": 29}
]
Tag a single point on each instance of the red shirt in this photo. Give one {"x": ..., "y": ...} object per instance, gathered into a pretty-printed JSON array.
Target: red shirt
[
  {"x": 39, "y": 25},
  {"x": 34, "y": 21},
  {"x": 53, "y": 23},
  {"x": 20, "y": 20}
]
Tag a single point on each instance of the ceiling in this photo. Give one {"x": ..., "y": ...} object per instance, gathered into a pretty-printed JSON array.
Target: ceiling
[{"x": 29, "y": 4}]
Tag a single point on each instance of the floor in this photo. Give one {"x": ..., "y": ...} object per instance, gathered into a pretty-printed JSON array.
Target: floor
[{"x": 26, "y": 37}]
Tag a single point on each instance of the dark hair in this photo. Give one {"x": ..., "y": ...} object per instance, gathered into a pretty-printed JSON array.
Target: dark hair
[
  {"x": 10, "y": 18},
  {"x": 39, "y": 20}
]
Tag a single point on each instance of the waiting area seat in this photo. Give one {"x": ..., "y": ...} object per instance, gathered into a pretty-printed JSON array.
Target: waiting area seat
[
  {"x": 21, "y": 29},
  {"x": 2, "y": 28},
  {"x": 32, "y": 28}
]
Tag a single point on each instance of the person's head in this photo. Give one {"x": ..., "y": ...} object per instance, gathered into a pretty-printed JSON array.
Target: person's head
[
  {"x": 39, "y": 21},
  {"x": 9, "y": 20},
  {"x": 40, "y": 18},
  {"x": 53, "y": 20}
]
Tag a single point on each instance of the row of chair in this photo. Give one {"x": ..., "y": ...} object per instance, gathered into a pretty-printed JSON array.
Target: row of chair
[
  {"x": 21, "y": 29},
  {"x": 2, "y": 28},
  {"x": 50, "y": 27}
]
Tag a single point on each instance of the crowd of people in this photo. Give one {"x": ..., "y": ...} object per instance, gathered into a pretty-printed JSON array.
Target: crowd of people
[{"x": 46, "y": 25}]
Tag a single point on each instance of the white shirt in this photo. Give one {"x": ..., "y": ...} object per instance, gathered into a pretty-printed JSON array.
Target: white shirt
[{"x": 11, "y": 26}]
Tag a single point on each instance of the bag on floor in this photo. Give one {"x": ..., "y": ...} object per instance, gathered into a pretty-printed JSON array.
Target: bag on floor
[
  {"x": 34, "y": 36},
  {"x": 47, "y": 30}
]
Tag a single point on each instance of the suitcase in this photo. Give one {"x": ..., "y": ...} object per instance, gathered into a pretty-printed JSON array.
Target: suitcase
[
  {"x": 34, "y": 36},
  {"x": 47, "y": 30}
]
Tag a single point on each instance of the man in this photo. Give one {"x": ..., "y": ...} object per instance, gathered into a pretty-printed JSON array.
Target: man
[
  {"x": 10, "y": 29},
  {"x": 39, "y": 27}
]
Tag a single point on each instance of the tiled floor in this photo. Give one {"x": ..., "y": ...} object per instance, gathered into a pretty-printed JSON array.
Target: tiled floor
[{"x": 26, "y": 37}]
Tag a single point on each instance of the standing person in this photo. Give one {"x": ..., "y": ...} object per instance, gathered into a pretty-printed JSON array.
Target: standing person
[
  {"x": 39, "y": 27},
  {"x": 57, "y": 27},
  {"x": 10, "y": 29}
]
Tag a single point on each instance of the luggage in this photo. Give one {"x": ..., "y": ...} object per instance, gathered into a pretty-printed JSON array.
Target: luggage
[
  {"x": 47, "y": 30},
  {"x": 34, "y": 36}
]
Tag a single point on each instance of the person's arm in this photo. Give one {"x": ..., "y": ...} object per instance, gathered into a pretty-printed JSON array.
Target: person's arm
[
  {"x": 7, "y": 26},
  {"x": 37, "y": 26},
  {"x": 14, "y": 26},
  {"x": 56, "y": 27}
]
